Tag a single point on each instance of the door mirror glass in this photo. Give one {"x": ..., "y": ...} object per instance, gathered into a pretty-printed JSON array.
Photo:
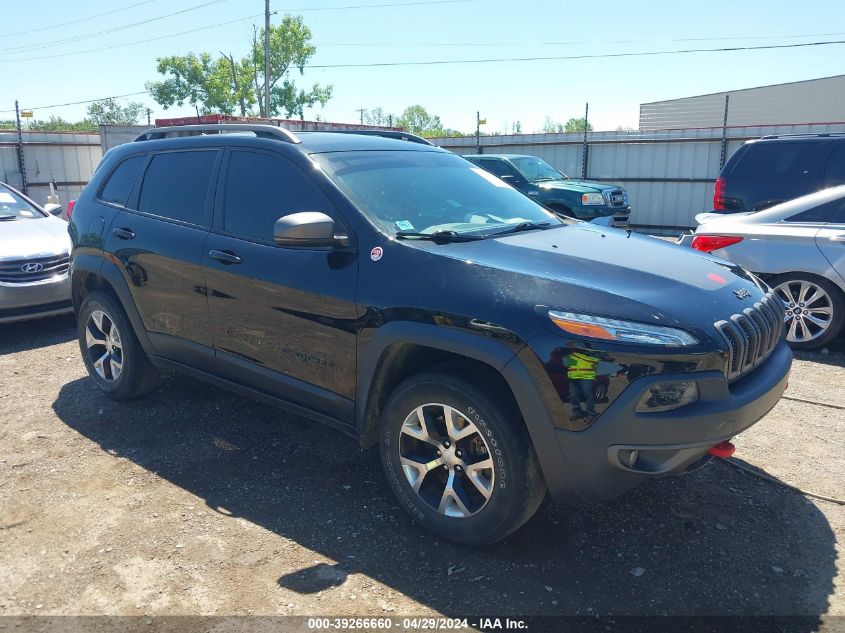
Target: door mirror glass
[{"x": 307, "y": 228}]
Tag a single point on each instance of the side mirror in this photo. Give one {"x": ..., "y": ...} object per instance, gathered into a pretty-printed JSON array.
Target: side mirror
[
  {"x": 53, "y": 209},
  {"x": 307, "y": 228}
]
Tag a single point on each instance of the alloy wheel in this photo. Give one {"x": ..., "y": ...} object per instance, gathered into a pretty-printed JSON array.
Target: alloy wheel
[
  {"x": 809, "y": 310},
  {"x": 105, "y": 350},
  {"x": 446, "y": 460}
]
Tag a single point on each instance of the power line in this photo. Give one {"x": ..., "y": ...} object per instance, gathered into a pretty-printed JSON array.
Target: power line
[
  {"x": 114, "y": 29},
  {"x": 494, "y": 60},
  {"x": 152, "y": 39},
  {"x": 70, "y": 103},
  {"x": 77, "y": 21}
]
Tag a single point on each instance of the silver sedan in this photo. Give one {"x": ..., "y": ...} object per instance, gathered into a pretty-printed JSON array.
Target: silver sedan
[
  {"x": 34, "y": 252},
  {"x": 798, "y": 248}
]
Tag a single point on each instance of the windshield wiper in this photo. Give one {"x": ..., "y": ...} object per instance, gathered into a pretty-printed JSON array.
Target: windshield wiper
[
  {"x": 439, "y": 237},
  {"x": 522, "y": 226},
  {"x": 7, "y": 217}
]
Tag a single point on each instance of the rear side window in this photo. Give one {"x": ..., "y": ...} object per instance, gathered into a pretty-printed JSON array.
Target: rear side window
[
  {"x": 176, "y": 186},
  {"x": 826, "y": 212},
  {"x": 769, "y": 161},
  {"x": 834, "y": 171},
  {"x": 260, "y": 188},
  {"x": 117, "y": 187}
]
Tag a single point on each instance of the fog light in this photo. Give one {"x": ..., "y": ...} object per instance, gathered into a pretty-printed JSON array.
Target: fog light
[{"x": 665, "y": 396}]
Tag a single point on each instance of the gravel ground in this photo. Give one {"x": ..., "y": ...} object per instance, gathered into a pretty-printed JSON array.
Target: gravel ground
[{"x": 197, "y": 501}]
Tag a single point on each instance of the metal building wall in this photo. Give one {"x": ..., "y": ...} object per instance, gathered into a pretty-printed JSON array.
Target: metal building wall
[
  {"x": 669, "y": 174},
  {"x": 814, "y": 100},
  {"x": 68, "y": 159}
]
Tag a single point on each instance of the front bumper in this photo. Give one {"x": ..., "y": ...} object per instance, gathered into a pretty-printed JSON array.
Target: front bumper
[
  {"x": 623, "y": 448},
  {"x": 23, "y": 301}
]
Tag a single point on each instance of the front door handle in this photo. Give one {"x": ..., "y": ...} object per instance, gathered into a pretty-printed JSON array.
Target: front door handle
[
  {"x": 225, "y": 257},
  {"x": 124, "y": 233}
]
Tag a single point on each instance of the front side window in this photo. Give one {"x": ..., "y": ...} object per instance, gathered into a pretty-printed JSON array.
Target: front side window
[
  {"x": 176, "y": 185},
  {"x": 260, "y": 188},
  {"x": 117, "y": 187},
  {"x": 834, "y": 172},
  {"x": 535, "y": 169},
  {"x": 425, "y": 191},
  {"x": 14, "y": 207},
  {"x": 498, "y": 167}
]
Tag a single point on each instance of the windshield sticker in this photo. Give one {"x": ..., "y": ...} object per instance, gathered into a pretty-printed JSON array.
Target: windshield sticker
[
  {"x": 489, "y": 177},
  {"x": 404, "y": 225},
  {"x": 6, "y": 197},
  {"x": 376, "y": 253}
]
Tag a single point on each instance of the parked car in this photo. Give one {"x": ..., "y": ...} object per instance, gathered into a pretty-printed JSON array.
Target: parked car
[
  {"x": 798, "y": 247},
  {"x": 582, "y": 199},
  {"x": 397, "y": 292},
  {"x": 773, "y": 169},
  {"x": 34, "y": 252}
]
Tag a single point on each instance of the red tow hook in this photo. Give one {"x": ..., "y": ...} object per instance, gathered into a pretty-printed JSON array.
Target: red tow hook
[{"x": 723, "y": 449}]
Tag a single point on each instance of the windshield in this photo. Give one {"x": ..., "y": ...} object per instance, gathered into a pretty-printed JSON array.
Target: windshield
[
  {"x": 14, "y": 207},
  {"x": 427, "y": 192},
  {"x": 535, "y": 169}
]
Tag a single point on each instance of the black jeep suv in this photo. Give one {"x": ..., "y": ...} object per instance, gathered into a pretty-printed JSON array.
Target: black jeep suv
[{"x": 409, "y": 298}]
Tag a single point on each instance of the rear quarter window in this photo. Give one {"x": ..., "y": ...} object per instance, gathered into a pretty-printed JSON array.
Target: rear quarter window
[{"x": 119, "y": 184}]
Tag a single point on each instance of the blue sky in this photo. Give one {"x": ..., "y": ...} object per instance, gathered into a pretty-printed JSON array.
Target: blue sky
[{"x": 466, "y": 29}]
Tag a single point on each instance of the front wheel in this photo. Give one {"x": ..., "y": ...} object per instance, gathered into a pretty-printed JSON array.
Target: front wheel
[
  {"x": 459, "y": 459},
  {"x": 815, "y": 309}
]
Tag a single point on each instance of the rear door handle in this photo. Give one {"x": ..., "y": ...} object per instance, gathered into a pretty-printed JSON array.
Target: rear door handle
[
  {"x": 840, "y": 237},
  {"x": 124, "y": 234},
  {"x": 225, "y": 257}
]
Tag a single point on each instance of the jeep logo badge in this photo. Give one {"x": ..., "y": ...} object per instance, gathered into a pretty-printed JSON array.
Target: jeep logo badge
[
  {"x": 32, "y": 267},
  {"x": 742, "y": 293}
]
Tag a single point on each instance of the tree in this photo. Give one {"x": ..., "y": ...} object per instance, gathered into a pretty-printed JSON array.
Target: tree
[
  {"x": 53, "y": 124},
  {"x": 377, "y": 116},
  {"x": 111, "y": 112},
  {"x": 516, "y": 128},
  {"x": 224, "y": 85},
  {"x": 577, "y": 125}
]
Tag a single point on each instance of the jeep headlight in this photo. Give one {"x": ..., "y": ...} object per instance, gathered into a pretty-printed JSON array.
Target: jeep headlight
[
  {"x": 592, "y": 198},
  {"x": 623, "y": 331}
]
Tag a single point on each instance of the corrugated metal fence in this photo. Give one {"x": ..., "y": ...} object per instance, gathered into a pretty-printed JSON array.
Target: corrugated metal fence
[
  {"x": 66, "y": 159},
  {"x": 669, "y": 174}
]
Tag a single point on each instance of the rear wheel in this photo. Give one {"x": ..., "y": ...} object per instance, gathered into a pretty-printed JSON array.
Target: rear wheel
[
  {"x": 111, "y": 351},
  {"x": 459, "y": 459},
  {"x": 815, "y": 309}
]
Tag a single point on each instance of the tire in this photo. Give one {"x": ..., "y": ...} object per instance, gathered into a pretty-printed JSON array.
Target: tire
[
  {"x": 111, "y": 351},
  {"x": 485, "y": 424},
  {"x": 813, "y": 324}
]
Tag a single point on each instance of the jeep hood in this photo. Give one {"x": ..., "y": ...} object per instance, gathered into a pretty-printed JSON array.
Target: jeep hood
[{"x": 620, "y": 273}]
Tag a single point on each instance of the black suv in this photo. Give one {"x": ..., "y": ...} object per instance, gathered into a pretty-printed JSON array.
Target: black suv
[
  {"x": 773, "y": 169},
  {"x": 399, "y": 293}
]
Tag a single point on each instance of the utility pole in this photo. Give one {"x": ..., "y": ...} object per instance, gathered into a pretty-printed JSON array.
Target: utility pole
[
  {"x": 149, "y": 112},
  {"x": 267, "y": 58},
  {"x": 586, "y": 148},
  {"x": 361, "y": 112},
  {"x": 21, "y": 163},
  {"x": 478, "y": 123}
]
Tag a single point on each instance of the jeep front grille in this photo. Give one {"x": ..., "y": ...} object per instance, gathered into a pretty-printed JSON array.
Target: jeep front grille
[
  {"x": 752, "y": 335},
  {"x": 22, "y": 271}
]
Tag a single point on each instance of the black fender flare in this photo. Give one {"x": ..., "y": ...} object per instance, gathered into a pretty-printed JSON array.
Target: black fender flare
[
  {"x": 503, "y": 359},
  {"x": 110, "y": 274}
]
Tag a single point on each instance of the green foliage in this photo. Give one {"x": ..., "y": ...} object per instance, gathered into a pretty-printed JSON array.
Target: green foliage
[
  {"x": 224, "y": 85},
  {"x": 417, "y": 120},
  {"x": 550, "y": 126},
  {"x": 53, "y": 124},
  {"x": 111, "y": 112},
  {"x": 377, "y": 116}
]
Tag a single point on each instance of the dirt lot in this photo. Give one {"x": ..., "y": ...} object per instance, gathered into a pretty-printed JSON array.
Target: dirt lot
[{"x": 196, "y": 501}]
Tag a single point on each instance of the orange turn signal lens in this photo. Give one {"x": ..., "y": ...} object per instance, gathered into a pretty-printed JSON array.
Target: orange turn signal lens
[{"x": 582, "y": 329}]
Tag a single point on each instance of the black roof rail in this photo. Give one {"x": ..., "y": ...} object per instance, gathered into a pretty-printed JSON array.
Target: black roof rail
[
  {"x": 803, "y": 134},
  {"x": 263, "y": 131},
  {"x": 395, "y": 134}
]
